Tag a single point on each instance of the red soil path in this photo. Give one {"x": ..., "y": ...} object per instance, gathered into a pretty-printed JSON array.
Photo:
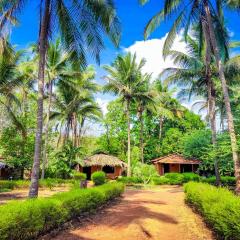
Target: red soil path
[{"x": 159, "y": 213}]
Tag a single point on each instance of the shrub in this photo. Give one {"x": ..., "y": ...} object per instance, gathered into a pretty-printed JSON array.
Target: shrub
[
  {"x": 98, "y": 178},
  {"x": 130, "y": 180},
  {"x": 175, "y": 178},
  {"x": 219, "y": 207},
  {"x": 189, "y": 176},
  {"x": 225, "y": 180},
  {"x": 7, "y": 184},
  {"x": 145, "y": 172},
  {"x": 25, "y": 220},
  {"x": 161, "y": 180},
  {"x": 79, "y": 176}
]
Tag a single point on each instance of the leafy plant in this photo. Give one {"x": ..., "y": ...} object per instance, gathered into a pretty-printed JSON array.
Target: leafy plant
[{"x": 98, "y": 178}]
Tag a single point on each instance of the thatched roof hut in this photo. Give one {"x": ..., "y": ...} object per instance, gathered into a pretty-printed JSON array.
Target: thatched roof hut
[
  {"x": 103, "y": 160},
  {"x": 111, "y": 165}
]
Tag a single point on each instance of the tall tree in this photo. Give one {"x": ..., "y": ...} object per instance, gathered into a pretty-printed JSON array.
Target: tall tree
[
  {"x": 125, "y": 79},
  {"x": 196, "y": 75},
  {"x": 80, "y": 24},
  {"x": 186, "y": 13}
]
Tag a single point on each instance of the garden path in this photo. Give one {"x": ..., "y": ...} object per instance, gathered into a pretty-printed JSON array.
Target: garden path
[{"x": 157, "y": 213}]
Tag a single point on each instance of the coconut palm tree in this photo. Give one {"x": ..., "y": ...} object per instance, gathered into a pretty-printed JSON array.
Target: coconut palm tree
[
  {"x": 210, "y": 16},
  {"x": 195, "y": 78},
  {"x": 74, "y": 104},
  {"x": 165, "y": 106},
  {"x": 125, "y": 79},
  {"x": 144, "y": 101},
  {"x": 81, "y": 25}
]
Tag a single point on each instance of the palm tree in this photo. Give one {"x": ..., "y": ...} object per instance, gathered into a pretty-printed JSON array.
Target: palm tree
[
  {"x": 81, "y": 24},
  {"x": 144, "y": 101},
  {"x": 74, "y": 104},
  {"x": 196, "y": 76},
  {"x": 125, "y": 79},
  {"x": 56, "y": 69},
  {"x": 165, "y": 107},
  {"x": 188, "y": 12}
]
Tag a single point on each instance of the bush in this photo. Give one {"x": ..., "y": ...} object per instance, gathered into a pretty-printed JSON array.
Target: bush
[
  {"x": 145, "y": 172},
  {"x": 23, "y": 220},
  {"x": 189, "y": 176},
  {"x": 219, "y": 207},
  {"x": 130, "y": 180},
  {"x": 98, "y": 178},
  {"x": 175, "y": 178},
  {"x": 161, "y": 180},
  {"x": 79, "y": 176},
  {"x": 225, "y": 180}
]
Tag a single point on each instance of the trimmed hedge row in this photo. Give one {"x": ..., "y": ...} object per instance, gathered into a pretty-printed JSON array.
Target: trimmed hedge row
[
  {"x": 219, "y": 207},
  {"x": 179, "y": 179},
  {"x": 23, "y": 220}
]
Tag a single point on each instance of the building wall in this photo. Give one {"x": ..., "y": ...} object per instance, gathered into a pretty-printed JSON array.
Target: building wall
[
  {"x": 174, "y": 168},
  {"x": 159, "y": 168}
]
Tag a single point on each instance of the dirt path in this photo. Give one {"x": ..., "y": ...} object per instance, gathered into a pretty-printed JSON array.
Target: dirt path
[{"x": 159, "y": 213}]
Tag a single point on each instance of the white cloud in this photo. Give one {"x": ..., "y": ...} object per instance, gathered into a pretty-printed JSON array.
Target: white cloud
[
  {"x": 151, "y": 50},
  {"x": 103, "y": 103}
]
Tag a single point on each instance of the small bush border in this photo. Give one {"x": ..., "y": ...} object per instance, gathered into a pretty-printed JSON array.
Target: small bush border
[{"x": 25, "y": 220}]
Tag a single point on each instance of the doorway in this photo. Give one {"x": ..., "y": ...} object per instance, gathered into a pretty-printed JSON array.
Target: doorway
[
  {"x": 166, "y": 168},
  {"x": 87, "y": 171}
]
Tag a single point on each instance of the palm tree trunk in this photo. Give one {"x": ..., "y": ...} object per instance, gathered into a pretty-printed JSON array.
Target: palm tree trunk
[
  {"x": 211, "y": 98},
  {"x": 129, "y": 140},
  {"x": 33, "y": 190},
  {"x": 141, "y": 135},
  {"x": 226, "y": 97},
  {"x": 44, "y": 162},
  {"x": 160, "y": 128}
]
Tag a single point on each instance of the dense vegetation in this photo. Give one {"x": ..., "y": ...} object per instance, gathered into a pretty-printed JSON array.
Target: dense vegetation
[
  {"x": 219, "y": 207},
  {"x": 48, "y": 91}
]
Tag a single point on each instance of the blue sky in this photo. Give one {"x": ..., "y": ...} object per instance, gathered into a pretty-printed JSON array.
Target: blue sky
[{"x": 133, "y": 19}]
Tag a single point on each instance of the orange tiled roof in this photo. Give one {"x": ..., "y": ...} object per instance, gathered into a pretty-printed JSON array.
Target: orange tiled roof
[{"x": 175, "y": 158}]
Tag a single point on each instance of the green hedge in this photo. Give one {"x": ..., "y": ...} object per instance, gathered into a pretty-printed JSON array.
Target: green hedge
[
  {"x": 219, "y": 207},
  {"x": 130, "y": 180},
  {"x": 23, "y": 220},
  {"x": 175, "y": 178},
  {"x": 225, "y": 180}
]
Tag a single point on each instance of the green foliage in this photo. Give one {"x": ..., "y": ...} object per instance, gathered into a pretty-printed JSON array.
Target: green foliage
[
  {"x": 219, "y": 207},
  {"x": 175, "y": 178},
  {"x": 114, "y": 140},
  {"x": 196, "y": 143},
  {"x": 161, "y": 180},
  {"x": 98, "y": 178},
  {"x": 225, "y": 180},
  {"x": 130, "y": 180},
  {"x": 16, "y": 149},
  {"x": 79, "y": 176},
  {"x": 25, "y": 220},
  {"x": 145, "y": 172},
  {"x": 172, "y": 142}
]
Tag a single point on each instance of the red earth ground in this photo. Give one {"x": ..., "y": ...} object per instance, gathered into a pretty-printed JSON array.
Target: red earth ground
[{"x": 158, "y": 213}]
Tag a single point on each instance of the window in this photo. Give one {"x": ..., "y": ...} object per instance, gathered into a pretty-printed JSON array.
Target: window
[{"x": 108, "y": 169}]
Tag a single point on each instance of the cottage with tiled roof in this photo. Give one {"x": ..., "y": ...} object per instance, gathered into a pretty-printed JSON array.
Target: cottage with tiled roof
[{"x": 175, "y": 163}]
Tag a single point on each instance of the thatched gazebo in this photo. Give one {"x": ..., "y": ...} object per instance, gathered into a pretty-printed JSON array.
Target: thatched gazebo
[{"x": 111, "y": 165}]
